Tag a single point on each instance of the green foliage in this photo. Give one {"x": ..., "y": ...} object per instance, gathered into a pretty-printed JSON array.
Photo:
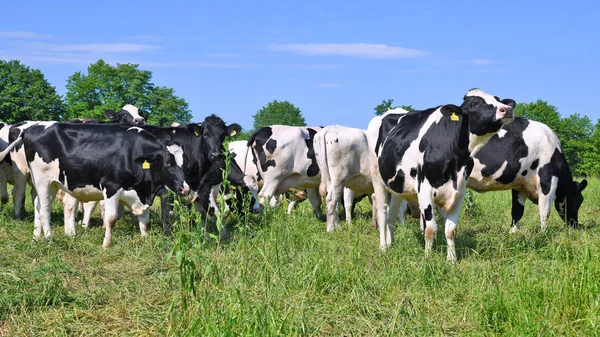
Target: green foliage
[
  {"x": 579, "y": 138},
  {"x": 108, "y": 87},
  {"x": 26, "y": 95},
  {"x": 276, "y": 112},
  {"x": 387, "y": 104},
  {"x": 287, "y": 277}
]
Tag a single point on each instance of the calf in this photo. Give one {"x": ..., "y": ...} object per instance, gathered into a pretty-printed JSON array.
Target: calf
[
  {"x": 526, "y": 157},
  {"x": 285, "y": 159},
  {"x": 428, "y": 156},
  {"x": 91, "y": 162},
  {"x": 344, "y": 160}
]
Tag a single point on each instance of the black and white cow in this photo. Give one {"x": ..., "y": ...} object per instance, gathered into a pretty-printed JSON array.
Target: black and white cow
[
  {"x": 428, "y": 156},
  {"x": 526, "y": 157},
  {"x": 113, "y": 163},
  {"x": 285, "y": 158},
  {"x": 129, "y": 115},
  {"x": 204, "y": 160}
]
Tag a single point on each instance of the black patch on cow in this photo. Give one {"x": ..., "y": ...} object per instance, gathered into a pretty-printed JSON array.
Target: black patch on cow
[
  {"x": 510, "y": 148},
  {"x": 524, "y": 173},
  {"x": 517, "y": 208},
  {"x": 61, "y": 177},
  {"x": 550, "y": 169},
  {"x": 470, "y": 165},
  {"x": 413, "y": 172},
  {"x": 271, "y": 145},
  {"x": 313, "y": 169},
  {"x": 428, "y": 213},
  {"x": 399, "y": 139},
  {"x": 397, "y": 184},
  {"x": 535, "y": 164},
  {"x": 257, "y": 141},
  {"x": 387, "y": 124}
]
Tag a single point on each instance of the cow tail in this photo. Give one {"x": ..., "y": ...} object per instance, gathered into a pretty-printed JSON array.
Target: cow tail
[
  {"x": 320, "y": 146},
  {"x": 11, "y": 146}
]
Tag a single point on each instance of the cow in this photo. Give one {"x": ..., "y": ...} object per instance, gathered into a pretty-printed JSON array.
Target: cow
[
  {"x": 113, "y": 163},
  {"x": 344, "y": 160},
  {"x": 526, "y": 157},
  {"x": 285, "y": 159},
  {"x": 242, "y": 155},
  {"x": 129, "y": 114},
  {"x": 428, "y": 156},
  {"x": 204, "y": 161}
]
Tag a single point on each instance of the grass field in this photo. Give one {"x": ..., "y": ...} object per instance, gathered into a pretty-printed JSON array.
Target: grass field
[{"x": 285, "y": 276}]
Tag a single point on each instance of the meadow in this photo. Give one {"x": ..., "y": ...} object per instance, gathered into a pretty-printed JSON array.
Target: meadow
[{"x": 281, "y": 275}]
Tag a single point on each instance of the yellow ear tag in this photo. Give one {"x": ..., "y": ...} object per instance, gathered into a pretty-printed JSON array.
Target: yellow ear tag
[
  {"x": 146, "y": 165},
  {"x": 454, "y": 117},
  {"x": 196, "y": 133},
  {"x": 233, "y": 133}
]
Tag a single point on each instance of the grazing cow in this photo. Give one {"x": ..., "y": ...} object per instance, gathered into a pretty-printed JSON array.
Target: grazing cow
[
  {"x": 285, "y": 159},
  {"x": 6, "y": 174},
  {"x": 243, "y": 157},
  {"x": 204, "y": 161},
  {"x": 343, "y": 157},
  {"x": 129, "y": 114},
  {"x": 526, "y": 157},
  {"x": 428, "y": 156},
  {"x": 114, "y": 163}
]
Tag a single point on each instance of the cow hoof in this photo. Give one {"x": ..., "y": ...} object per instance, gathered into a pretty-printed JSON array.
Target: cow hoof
[
  {"x": 321, "y": 217},
  {"x": 70, "y": 234},
  {"x": 513, "y": 229}
]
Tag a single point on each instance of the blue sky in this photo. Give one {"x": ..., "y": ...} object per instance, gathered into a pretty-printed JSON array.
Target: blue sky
[{"x": 335, "y": 60}]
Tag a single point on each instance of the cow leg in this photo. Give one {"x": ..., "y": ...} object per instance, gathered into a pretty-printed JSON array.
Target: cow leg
[
  {"x": 451, "y": 223},
  {"x": 380, "y": 206},
  {"x": 3, "y": 186},
  {"x": 545, "y": 204},
  {"x": 373, "y": 210},
  {"x": 402, "y": 211},
  {"x": 166, "y": 209},
  {"x": 88, "y": 209},
  {"x": 348, "y": 203},
  {"x": 334, "y": 192},
  {"x": 315, "y": 201},
  {"x": 518, "y": 207},
  {"x": 18, "y": 192},
  {"x": 393, "y": 209},
  {"x": 70, "y": 205},
  {"x": 293, "y": 202},
  {"x": 43, "y": 204},
  {"x": 111, "y": 206},
  {"x": 426, "y": 207},
  {"x": 144, "y": 220}
]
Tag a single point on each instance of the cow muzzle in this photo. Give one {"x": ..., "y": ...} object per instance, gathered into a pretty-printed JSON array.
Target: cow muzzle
[
  {"x": 215, "y": 155},
  {"x": 505, "y": 113},
  {"x": 185, "y": 189}
]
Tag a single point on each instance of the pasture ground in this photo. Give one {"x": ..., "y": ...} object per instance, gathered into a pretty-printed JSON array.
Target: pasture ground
[{"x": 285, "y": 276}]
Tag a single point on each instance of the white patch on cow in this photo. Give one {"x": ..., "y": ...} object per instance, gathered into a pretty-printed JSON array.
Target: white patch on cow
[
  {"x": 138, "y": 129},
  {"x": 131, "y": 199},
  {"x": 177, "y": 152},
  {"x": 489, "y": 99},
  {"x": 133, "y": 111},
  {"x": 87, "y": 193},
  {"x": 502, "y": 133}
]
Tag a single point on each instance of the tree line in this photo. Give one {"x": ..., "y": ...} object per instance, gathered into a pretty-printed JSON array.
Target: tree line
[{"x": 25, "y": 94}]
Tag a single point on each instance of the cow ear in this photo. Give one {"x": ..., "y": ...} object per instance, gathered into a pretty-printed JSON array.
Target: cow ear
[
  {"x": 110, "y": 114},
  {"x": 509, "y": 102},
  {"x": 196, "y": 129},
  {"x": 582, "y": 185},
  {"x": 144, "y": 114},
  {"x": 233, "y": 129},
  {"x": 449, "y": 109}
]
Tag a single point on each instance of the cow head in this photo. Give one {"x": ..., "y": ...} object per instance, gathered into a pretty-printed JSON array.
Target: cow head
[
  {"x": 129, "y": 115},
  {"x": 213, "y": 132},
  {"x": 571, "y": 202},
  {"x": 166, "y": 167},
  {"x": 487, "y": 114}
]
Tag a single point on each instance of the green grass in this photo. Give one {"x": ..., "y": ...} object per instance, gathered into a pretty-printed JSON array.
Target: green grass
[{"x": 285, "y": 276}]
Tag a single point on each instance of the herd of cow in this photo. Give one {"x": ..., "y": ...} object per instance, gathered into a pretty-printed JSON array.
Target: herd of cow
[{"x": 424, "y": 160}]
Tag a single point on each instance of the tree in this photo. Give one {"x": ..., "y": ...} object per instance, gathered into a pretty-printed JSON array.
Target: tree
[
  {"x": 540, "y": 111},
  {"x": 275, "y": 112},
  {"x": 386, "y": 105},
  {"x": 26, "y": 95},
  {"x": 577, "y": 144},
  {"x": 107, "y": 87}
]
